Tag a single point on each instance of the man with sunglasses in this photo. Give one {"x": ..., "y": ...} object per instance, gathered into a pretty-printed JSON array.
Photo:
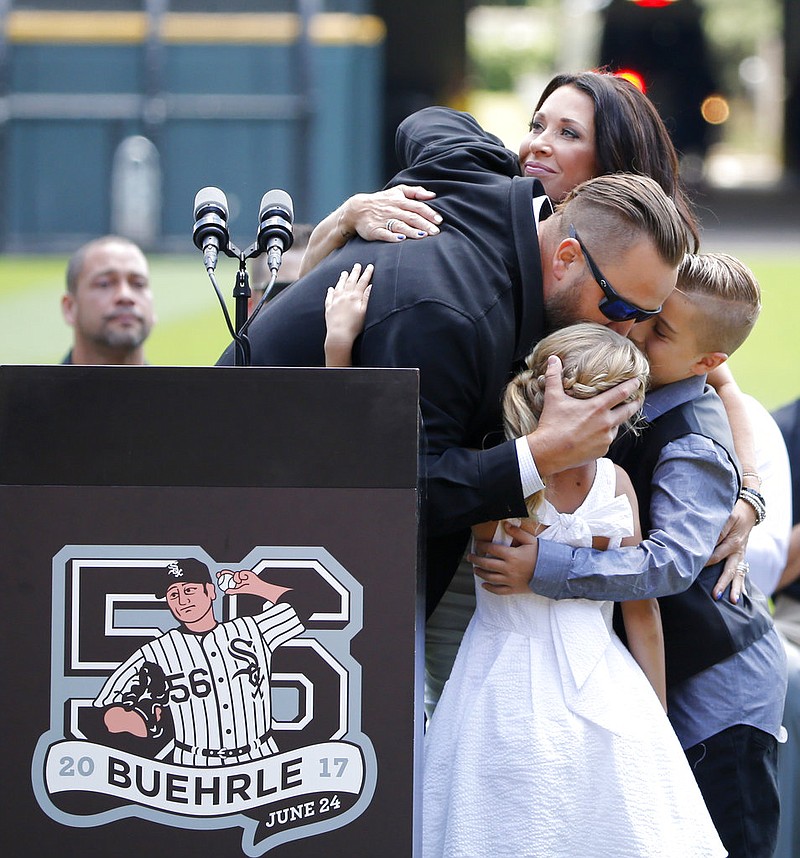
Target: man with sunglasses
[
  {"x": 468, "y": 307},
  {"x": 613, "y": 306}
]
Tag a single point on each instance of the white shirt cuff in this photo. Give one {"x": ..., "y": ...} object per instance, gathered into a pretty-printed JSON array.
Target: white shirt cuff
[{"x": 528, "y": 474}]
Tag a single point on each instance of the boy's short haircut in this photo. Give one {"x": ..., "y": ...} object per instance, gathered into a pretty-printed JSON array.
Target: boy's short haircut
[{"x": 726, "y": 295}]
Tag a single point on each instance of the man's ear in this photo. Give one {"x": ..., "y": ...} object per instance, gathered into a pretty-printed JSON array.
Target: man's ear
[
  {"x": 565, "y": 255},
  {"x": 707, "y": 362},
  {"x": 68, "y": 308}
]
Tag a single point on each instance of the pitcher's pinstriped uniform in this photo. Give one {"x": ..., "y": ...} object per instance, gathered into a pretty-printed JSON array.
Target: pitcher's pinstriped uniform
[{"x": 219, "y": 685}]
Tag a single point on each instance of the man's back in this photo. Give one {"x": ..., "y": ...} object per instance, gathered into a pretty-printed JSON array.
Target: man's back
[
  {"x": 461, "y": 307},
  {"x": 466, "y": 270}
]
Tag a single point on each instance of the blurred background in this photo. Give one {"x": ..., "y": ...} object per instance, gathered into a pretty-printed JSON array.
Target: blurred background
[{"x": 113, "y": 113}]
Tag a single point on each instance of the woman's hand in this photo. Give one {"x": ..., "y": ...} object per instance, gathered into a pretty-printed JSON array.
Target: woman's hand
[
  {"x": 731, "y": 548},
  {"x": 402, "y": 208},
  {"x": 391, "y": 215}
]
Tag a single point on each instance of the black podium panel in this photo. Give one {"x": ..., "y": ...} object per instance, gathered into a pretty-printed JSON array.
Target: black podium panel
[
  {"x": 75, "y": 425},
  {"x": 117, "y": 484}
]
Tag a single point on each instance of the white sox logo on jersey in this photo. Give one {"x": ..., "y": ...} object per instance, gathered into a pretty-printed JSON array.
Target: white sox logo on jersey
[
  {"x": 195, "y": 696},
  {"x": 244, "y": 651}
]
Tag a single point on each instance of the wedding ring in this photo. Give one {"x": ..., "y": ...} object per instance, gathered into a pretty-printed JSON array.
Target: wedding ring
[
  {"x": 389, "y": 223},
  {"x": 743, "y": 568}
]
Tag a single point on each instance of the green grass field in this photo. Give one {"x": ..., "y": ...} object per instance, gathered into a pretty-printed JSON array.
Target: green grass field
[{"x": 191, "y": 330}]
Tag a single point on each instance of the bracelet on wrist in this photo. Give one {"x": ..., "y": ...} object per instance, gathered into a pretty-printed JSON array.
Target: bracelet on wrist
[
  {"x": 754, "y": 475},
  {"x": 756, "y": 501}
]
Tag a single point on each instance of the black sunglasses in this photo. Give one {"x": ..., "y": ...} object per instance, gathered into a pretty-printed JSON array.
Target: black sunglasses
[{"x": 613, "y": 306}]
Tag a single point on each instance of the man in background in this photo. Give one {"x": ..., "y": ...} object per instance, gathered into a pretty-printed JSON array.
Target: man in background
[{"x": 108, "y": 303}]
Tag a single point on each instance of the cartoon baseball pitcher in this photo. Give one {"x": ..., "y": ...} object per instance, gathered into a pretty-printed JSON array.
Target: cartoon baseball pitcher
[{"x": 213, "y": 677}]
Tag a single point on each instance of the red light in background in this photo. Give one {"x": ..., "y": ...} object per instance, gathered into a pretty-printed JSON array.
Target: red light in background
[
  {"x": 654, "y": 4},
  {"x": 633, "y": 77}
]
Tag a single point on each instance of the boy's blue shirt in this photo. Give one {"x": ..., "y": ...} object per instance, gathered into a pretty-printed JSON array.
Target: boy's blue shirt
[{"x": 694, "y": 488}]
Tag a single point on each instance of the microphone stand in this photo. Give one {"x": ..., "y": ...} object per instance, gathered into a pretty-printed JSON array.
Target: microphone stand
[
  {"x": 241, "y": 296},
  {"x": 241, "y": 289}
]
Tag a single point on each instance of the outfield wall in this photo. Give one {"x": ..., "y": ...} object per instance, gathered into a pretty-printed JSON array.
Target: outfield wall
[{"x": 244, "y": 100}]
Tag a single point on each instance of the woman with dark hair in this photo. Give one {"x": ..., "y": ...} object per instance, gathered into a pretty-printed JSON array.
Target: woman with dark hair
[
  {"x": 618, "y": 130},
  {"x": 630, "y": 136}
]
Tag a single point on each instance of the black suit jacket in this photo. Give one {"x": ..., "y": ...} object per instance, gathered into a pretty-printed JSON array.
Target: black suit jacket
[{"x": 464, "y": 307}]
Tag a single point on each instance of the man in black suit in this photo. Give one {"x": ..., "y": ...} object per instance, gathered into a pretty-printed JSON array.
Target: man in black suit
[{"x": 467, "y": 307}]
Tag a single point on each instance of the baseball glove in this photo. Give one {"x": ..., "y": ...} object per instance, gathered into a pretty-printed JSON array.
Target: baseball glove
[{"x": 148, "y": 696}]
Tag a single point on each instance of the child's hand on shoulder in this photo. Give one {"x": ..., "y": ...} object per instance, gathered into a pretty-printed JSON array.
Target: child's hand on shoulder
[{"x": 345, "y": 309}]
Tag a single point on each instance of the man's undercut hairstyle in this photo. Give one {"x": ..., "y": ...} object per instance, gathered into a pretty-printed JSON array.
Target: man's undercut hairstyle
[
  {"x": 615, "y": 211},
  {"x": 726, "y": 297},
  {"x": 75, "y": 264}
]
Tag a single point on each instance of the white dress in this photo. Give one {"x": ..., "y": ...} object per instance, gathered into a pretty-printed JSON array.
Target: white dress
[{"x": 548, "y": 739}]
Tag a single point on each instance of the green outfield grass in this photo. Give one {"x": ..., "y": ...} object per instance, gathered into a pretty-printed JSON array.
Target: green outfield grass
[{"x": 191, "y": 330}]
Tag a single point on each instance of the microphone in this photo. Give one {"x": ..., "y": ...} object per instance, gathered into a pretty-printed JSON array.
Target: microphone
[
  {"x": 275, "y": 218},
  {"x": 210, "y": 233}
]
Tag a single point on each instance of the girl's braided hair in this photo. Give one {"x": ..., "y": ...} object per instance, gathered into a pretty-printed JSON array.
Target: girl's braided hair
[{"x": 594, "y": 359}]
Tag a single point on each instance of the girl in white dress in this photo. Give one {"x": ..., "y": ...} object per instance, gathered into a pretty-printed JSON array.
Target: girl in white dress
[{"x": 548, "y": 739}]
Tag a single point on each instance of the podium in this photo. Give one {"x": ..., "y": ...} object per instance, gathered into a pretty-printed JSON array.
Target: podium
[{"x": 116, "y": 483}]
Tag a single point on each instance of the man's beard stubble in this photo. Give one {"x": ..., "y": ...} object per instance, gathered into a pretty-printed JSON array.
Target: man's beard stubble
[
  {"x": 122, "y": 339},
  {"x": 561, "y": 309}
]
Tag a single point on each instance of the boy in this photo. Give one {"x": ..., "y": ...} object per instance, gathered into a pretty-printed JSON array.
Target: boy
[{"x": 726, "y": 671}]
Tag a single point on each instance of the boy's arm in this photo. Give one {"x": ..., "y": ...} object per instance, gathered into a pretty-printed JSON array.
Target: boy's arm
[
  {"x": 345, "y": 309},
  {"x": 485, "y": 532},
  {"x": 693, "y": 484}
]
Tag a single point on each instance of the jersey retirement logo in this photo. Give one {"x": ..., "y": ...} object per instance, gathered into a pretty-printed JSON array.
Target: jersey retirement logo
[{"x": 199, "y": 694}]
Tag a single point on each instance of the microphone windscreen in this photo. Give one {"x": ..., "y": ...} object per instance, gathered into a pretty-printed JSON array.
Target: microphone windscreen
[
  {"x": 211, "y": 198},
  {"x": 276, "y": 199}
]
